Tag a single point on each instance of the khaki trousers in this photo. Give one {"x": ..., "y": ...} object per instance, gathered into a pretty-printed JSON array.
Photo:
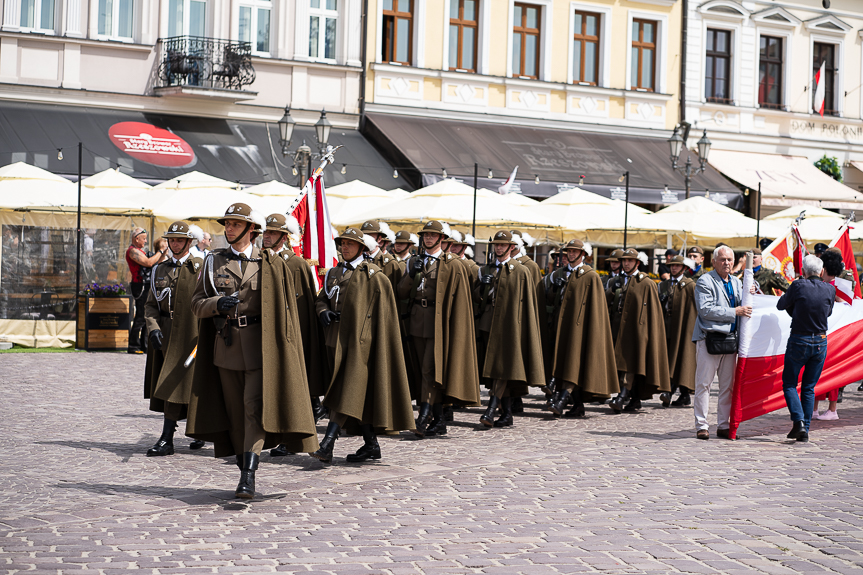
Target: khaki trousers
[
  {"x": 626, "y": 378},
  {"x": 430, "y": 391},
  {"x": 244, "y": 401},
  {"x": 499, "y": 388}
]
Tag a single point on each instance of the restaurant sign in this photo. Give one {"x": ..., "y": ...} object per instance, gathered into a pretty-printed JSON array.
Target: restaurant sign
[{"x": 152, "y": 145}]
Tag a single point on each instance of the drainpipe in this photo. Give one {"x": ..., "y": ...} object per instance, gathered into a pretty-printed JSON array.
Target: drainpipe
[
  {"x": 363, "y": 50},
  {"x": 684, "y": 24}
]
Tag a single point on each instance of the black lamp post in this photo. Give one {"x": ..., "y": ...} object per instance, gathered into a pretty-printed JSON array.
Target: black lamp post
[
  {"x": 625, "y": 177},
  {"x": 676, "y": 143},
  {"x": 286, "y": 130},
  {"x": 303, "y": 155},
  {"x": 322, "y": 130}
]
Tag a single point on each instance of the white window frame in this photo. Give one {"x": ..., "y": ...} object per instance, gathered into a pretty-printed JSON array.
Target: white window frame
[
  {"x": 839, "y": 86},
  {"x": 323, "y": 13},
  {"x": 736, "y": 57},
  {"x": 187, "y": 5},
  {"x": 255, "y": 6},
  {"x": 604, "y": 72},
  {"x": 418, "y": 33},
  {"x": 114, "y": 19},
  {"x": 16, "y": 7},
  {"x": 483, "y": 34},
  {"x": 661, "y": 50},
  {"x": 787, "y": 35},
  {"x": 545, "y": 38}
]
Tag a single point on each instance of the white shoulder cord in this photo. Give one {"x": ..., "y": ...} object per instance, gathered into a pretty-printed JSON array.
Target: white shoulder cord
[
  {"x": 159, "y": 295},
  {"x": 331, "y": 292},
  {"x": 208, "y": 275}
]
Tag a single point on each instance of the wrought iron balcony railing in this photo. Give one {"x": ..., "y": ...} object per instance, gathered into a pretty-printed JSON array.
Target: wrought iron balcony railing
[{"x": 205, "y": 63}]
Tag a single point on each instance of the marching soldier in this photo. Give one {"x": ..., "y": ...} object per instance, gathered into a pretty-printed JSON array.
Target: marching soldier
[
  {"x": 768, "y": 280},
  {"x": 519, "y": 253},
  {"x": 245, "y": 299},
  {"x": 173, "y": 330},
  {"x": 276, "y": 237},
  {"x": 696, "y": 254},
  {"x": 441, "y": 326},
  {"x": 460, "y": 245},
  {"x": 677, "y": 298},
  {"x": 403, "y": 242},
  {"x": 402, "y": 245},
  {"x": 369, "y": 388},
  {"x": 642, "y": 362},
  {"x": 613, "y": 266},
  {"x": 509, "y": 326},
  {"x": 386, "y": 262},
  {"x": 579, "y": 346}
]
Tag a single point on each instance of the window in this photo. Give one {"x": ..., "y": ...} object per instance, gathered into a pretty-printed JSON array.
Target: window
[
  {"x": 770, "y": 73},
  {"x": 826, "y": 54},
  {"x": 717, "y": 73},
  {"x": 398, "y": 31},
  {"x": 642, "y": 76},
  {"x": 525, "y": 41},
  {"x": 585, "y": 51},
  {"x": 187, "y": 18},
  {"x": 115, "y": 19},
  {"x": 37, "y": 14},
  {"x": 463, "y": 35},
  {"x": 254, "y": 25},
  {"x": 322, "y": 29}
]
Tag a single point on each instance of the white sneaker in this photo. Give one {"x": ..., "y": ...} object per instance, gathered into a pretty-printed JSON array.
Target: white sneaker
[
  {"x": 829, "y": 415},
  {"x": 815, "y": 414}
]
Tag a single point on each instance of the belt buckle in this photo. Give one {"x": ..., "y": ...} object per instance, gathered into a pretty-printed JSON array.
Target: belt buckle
[
  {"x": 171, "y": 314},
  {"x": 424, "y": 302},
  {"x": 241, "y": 321}
]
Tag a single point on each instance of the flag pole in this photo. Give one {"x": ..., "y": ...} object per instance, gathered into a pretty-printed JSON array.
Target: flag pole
[
  {"x": 473, "y": 226},
  {"x": 758, "y": 217}
]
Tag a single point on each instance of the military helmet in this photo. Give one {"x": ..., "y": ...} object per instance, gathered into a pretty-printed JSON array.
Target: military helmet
[
  {"x": 678, "y": 259},
  {"x": 819, "y": 248},
  {"x": 432, "y": 227},
  {"x": 615, "y": 255},
  {"x": 352, "y": 234},
  {"x": 403, "y": 236},
  {"x": 503, "y": 237},
  {"x": 628, "y": 254},
  {"x": 178, "y": 229},
  {"x": 694, "y": 250},
  {"x": 574, "y": 244},
  {"x": 371, "y": 227},
  {"x": 243, "y": 213},
  {"x": 756, "y": 252}
]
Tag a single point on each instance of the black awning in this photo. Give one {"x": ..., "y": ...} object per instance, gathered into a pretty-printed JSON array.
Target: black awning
[
  {"x": 238, "y": 151},
  {"x": 558, "y": 157}
]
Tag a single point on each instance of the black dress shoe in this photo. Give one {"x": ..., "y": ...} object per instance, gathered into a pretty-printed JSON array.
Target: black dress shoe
[
  {"x": 487, "y": 418},
  {"x": 723, "y": 433},
  {"x": 370, "y": 449},
  {"x": 633, "y": 405},
  {"x": 796, "y": 430},
  {"x": 246, "y": 486},
  {"x": 280, "y": 451},
  {"x": 561, "y": 402},
  {"x": 665, "y": 398},
  {"x": 517, "y": 405},
  {"x": 803, "y": 437},
  {"x": 860, "y": 387},
  {"x": 161, "y": 448},
  {"x": 197, "y": 444},
  {"x": 682, "y": 401},
  {"x": 325, "y": 453},
  {"x": 617, "y": 403},
  {"x": 577, "y": 410}
]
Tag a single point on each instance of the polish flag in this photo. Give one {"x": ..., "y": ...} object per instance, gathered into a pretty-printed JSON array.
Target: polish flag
[
  {"x": 311, "y": 210},
  {"x": 818, "y": 100},
  {"x": 780, "y": 255},
  {"x": 507, "y": 185},
  {"x": 763, "y": 337},
  {"x": 842, "y": 241}
]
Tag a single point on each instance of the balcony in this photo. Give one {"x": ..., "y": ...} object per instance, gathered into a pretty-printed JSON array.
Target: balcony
[{"x": 205, "y": 67}]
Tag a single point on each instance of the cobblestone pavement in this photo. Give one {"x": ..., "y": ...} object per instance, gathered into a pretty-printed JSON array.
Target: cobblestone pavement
[{"x": 609, "y": 493}]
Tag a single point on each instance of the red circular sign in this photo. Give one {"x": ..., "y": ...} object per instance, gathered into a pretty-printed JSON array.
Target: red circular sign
[{"x": 152, "y": 145}]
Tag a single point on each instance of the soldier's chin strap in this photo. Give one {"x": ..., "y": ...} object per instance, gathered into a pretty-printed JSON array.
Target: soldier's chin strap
[
  {"x": 185, "y": 247},
  {"x": 245, "y": 231}
]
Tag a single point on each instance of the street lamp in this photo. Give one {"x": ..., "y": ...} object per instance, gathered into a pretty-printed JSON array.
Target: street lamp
[
  {"x": 286, "y": 130},
  {"x": 676, "y": 144},
  {"x": 303, "y": 156},
  {"x": 625, "y": 177},
  {"x": 322, "y": 130}
]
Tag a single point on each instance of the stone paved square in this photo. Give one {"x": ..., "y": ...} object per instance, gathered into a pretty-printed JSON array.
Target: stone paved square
[{"x": 606, "y": 494}]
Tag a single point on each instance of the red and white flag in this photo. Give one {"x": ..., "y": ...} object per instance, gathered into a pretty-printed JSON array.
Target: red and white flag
[
  {"x": 842, "y": 241},
  {"x": 818, "y": 99},
  {"x": 781, "y": 255},
  {"x": 318, "y": 246},
  {"x": 763, "y": 337},
  {"x": 507, "y": 185}
]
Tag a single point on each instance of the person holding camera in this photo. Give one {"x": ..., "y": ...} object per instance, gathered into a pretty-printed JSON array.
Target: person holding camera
[{"x": 140, "y": 264}]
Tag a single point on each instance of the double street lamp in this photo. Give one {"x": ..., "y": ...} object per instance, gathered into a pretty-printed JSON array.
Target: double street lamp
[
  {"x": 303, "y": 155},
  {"x": 677, "y": 143}
]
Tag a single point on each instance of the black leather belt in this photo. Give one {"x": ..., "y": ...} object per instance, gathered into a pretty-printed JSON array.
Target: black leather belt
[
  {"x": 169, "y": 314},
  {"x": 807, "y": 334},
  {"x": 244, "y": 320},
  {"x": 424, "y": 302}
]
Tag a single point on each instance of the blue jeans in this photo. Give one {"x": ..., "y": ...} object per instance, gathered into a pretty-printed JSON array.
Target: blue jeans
[{"x": 809, "y": 352}]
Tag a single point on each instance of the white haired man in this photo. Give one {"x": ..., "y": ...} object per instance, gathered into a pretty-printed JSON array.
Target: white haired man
[{"x": 717, "y": 300}]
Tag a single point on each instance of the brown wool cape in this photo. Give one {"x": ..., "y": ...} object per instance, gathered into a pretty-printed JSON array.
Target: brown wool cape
[
  {"x": 312, "y": 335},
  {"x": 408, "y": 350},
  {"x": 369, "y": 380},
  {"x": 640, "y": 345},
  {"x": 681, "y": 348},
  {"x": 166, "y": 380},
  {"x": 514, "y": 350},
  {"x": 583, "y": 349},
  {"x": 455, "y": 340},
  {"x": 287, "y": 412},
  {"x": 532, "y": 267}
]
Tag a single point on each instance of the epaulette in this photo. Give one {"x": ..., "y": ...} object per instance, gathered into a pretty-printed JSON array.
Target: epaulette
[
  {"x": 581, "y": 272},
  {"x": 386, "y": 259},
  {"x": 641, "y": 276},
  {"x": 449, "y": 256},
  {"x": 197, "y": 265},
  {"x": 511, "y": 267}
]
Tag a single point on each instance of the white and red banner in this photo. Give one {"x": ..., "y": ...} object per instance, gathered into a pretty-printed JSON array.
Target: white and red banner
[
  {"x": 507, "y": 185},
  {"x": 313, "y": 214},
  {"x": 763, "y": 337},
  {"x": 842, "y": 242},
  {"x": 818, "y": 98},
  {"x": 785, "y": 255}
]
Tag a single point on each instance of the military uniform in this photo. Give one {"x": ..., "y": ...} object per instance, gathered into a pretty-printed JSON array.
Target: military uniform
[
  {"x": 403, "y": 304},
  {"x": 168, "y": 384},
  {"x": 700, "y": 270},
  {"x": 613, "y": 258},
  {"x": 677, "y": 298}
]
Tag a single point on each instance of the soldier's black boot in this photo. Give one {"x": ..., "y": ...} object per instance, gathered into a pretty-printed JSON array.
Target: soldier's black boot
[
  {"x": 197, "y": 444},
  {"x": 369, "y": 450},
  {"x": 548, "y": 390},
  {"x": 448, "y": 414},
  {"x": 325, "y": 453},
  {"x": 617, "y": 403},
  {"x": 665, "y": 396},
  {"x": 165, "y": 445},
  {"x": 423, "y": 419},
  {"x": 505, "y": 419},
  {"x": 561, "y": 400},
  {"x": 438, "y": 422},
  {"x": 487, "y": 418},
  {"x": 577, "y": 405},
  {"x": 683, "y": 399},
  {"x": 279, "y": 451},
  {"x": 517, "y": 405},
  {"x": 318, "y": 409},
  {"x": 633, "y": 405},
  {"x": 246, "y": 486}
]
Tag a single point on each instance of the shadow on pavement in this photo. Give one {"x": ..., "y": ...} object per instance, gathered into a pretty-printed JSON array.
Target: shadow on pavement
[{"x": 181, "y": 447}]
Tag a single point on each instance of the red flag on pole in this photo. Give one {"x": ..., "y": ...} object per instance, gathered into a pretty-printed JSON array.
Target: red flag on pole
[
  {"x": 818, "y": 99},
  {"x": 842, "y": 241}
]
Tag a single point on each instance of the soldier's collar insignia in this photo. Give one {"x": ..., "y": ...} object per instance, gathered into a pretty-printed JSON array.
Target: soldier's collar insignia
[
  {"x": 640, "y": 276},
  {"x": 511, "y": 267}
]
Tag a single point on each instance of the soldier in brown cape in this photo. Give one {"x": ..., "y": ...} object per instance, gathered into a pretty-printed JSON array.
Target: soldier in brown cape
[
  {"x": 386, "y": 262},
  {"x": 173, "y": 330},
  {"x": 509, "y": 326},
  {"x": 613, "y": 266},
  {"x": 403, "y": 242},
  {"x": 677, "y": 298},
  {"x": 578, "y": 334},
  {"x": 276, "y": 237},
  {"x": 441, "y": 326},
  {"x": 245, "y": 299},
  {"x": 461, "y": 246},
  {"x": 519, "y": 253},
  {"x": 639, "y": 348},
  {"x": 369, "y": 385}
]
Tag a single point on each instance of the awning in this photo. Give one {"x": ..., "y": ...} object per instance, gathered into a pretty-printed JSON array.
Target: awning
[
  {"x": 785, "y": 180},
  {"x": 157, "y": 147},
  {"x": 558, "y": 157}
]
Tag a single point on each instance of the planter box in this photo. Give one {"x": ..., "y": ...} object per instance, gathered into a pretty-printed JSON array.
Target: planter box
[{"x": 104, "y": 322}]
